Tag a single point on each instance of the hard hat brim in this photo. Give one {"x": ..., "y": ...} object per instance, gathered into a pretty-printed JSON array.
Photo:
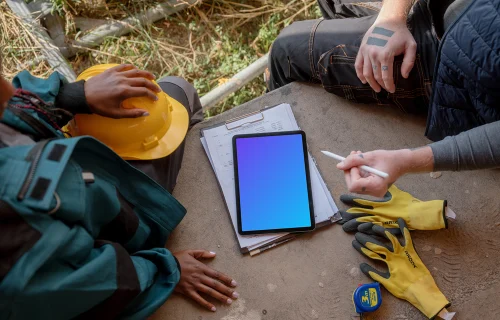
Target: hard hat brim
[{"x": 170, "y": 141}]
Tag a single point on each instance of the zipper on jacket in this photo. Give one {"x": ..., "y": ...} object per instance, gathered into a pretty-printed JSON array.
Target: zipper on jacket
[{"x": 34, "y": 157}]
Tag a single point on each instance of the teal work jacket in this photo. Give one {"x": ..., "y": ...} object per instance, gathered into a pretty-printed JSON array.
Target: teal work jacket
[{"x": 82, "y": 232}]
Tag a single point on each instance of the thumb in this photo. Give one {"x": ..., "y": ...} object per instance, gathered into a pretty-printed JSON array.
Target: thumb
[
  {"x": 354, "y": 160},
  {"x": 202, "y": 254},
  {"x": 409, "y": 58}
]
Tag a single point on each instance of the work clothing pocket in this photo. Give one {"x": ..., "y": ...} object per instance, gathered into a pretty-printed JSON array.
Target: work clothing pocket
[{"x": 338, "y": 76}]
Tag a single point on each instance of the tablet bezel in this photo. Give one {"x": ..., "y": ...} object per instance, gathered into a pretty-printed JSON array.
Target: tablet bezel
[{"x": 308, "y": 182}]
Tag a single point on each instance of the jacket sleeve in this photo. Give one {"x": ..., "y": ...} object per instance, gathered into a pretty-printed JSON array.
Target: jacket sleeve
[
  {"x": 477, "y": 148},
  {"x": 96, "y": 281},
  {"x": 56, "y": 92},
  {"x": 142, "y": 283},
  {"x": 71, "y": 97}
]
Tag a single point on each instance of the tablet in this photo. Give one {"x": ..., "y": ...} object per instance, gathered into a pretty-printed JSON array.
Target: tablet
[{"x": 272, "y": 184}]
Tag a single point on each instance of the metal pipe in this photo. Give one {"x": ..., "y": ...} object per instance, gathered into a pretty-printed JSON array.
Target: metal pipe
[
  {"x": 40, "y": 7},
  {"x": 236, "y": 82},
  {"x": 54, "y": 56},
  {"x": 119, "y": 28}
]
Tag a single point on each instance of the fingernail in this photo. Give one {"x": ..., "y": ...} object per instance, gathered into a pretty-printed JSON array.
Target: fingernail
[
  {"x": 145, "y": 114},
  {"x": 234, "y": 283},
  {"x": 213, "y": 309},
  {"x": 229, "y": 301},
  {"x": 235, "y": 295},
  {"x": 211, "y": 252},
  {"x": 156, "y": 98},
  {"x": 340, "y": 164}
]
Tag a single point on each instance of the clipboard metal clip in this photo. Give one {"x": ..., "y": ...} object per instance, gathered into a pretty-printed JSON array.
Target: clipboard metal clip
[{"x": 250, "y": 118}]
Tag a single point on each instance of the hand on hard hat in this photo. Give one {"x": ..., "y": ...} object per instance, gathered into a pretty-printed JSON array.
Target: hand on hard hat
[
  {"x": 105, "y": 92},
  {"x": 115, "y": 91}
]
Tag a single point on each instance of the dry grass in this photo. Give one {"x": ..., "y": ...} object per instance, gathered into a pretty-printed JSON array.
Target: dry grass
[
  {"x": 206, "y": 43},
  {"x": 18, "y": 46}
]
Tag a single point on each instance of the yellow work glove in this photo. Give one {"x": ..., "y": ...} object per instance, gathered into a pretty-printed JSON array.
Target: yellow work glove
[
  {"x": 407, "y": 278},
  {"x": 418, "y": 215}
]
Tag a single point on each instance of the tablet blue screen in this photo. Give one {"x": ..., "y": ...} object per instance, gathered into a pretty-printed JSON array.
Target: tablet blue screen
[{"x": 272, "y": 183}]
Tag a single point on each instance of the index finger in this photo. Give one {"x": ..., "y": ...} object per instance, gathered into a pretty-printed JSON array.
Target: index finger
[
  {"x": 122, "y": 67},
  {"x": 387, "y": 74},
  {"x": 368, "y": 74},
  {"x": 144, "y": 83},
  {"x": 136, "y": 73},
  {"x": 220, "y": 276},
  {"x": 134, "y": 92}
]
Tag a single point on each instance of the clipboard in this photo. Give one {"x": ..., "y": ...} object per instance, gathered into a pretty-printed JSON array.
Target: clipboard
[{"x": 253, "y": 119}]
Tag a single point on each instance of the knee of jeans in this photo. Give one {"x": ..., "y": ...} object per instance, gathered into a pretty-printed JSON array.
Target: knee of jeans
[
  {"x": 276, "y": 48},
  {"x": 290, "y": 39}
]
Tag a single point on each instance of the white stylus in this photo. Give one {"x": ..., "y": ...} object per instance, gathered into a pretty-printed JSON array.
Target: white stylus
[{"x": 366, "y": 168}]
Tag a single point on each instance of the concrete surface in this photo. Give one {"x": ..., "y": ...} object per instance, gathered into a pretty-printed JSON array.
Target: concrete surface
[{"x": 284, "y": 283}]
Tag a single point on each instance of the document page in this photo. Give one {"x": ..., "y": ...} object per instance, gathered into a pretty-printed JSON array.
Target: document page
[{"x": 217, "y": 143}]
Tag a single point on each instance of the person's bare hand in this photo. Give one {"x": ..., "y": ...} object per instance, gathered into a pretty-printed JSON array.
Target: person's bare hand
[
  {"x": 362, "y": 182},
  {"x": 198, "y": 278},
  {"x": 386, "y": 39},
  {"x": 106, "y": 91}
]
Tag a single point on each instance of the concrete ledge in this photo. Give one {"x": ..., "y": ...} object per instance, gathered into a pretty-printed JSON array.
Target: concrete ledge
[{"x": 283, "y": 283}]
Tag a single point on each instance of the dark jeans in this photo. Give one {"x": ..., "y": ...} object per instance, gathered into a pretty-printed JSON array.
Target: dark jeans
[
  {"x": 324, "y": 51},
  {"x": 165, "y": 170}
]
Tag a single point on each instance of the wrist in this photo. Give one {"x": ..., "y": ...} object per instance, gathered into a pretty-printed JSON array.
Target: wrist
[
  {"x": 417, "y": 160},
  {"x": 396, "y": 10},
  {"x": 89, "y": 98},
  {"x": 178, "y": 264},
  {"x": 425, "y": 295},
  {"x": 391, "y": 17}
]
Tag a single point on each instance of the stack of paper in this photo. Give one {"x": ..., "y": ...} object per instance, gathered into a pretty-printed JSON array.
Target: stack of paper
[{"x": 217, "y": 142}]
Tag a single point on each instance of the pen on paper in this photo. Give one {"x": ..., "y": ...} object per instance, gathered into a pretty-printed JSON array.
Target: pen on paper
[{"x": 365, "y": 168}]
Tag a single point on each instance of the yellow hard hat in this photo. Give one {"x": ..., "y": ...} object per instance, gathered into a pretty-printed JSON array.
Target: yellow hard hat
[{"x": 144, "y": 138}]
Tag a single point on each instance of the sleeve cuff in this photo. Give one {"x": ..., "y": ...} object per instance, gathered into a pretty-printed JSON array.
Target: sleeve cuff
[
  {"x": 444, "y": 156},
  {"x": 71, "y": 97}
]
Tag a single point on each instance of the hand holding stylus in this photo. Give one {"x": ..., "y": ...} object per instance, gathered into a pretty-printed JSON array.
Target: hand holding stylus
[
  {"x": 368, "y": 180},
  {"x": 363, "y": 167}
]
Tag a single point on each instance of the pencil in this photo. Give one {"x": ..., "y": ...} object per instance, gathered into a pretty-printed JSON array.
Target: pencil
[
  {"x": 260, "y": 250},
  {"x": 366, "y": 168}
]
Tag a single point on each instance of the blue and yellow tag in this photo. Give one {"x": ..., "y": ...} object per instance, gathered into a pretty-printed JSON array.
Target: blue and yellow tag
[{"x": 367, "y": 297}]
